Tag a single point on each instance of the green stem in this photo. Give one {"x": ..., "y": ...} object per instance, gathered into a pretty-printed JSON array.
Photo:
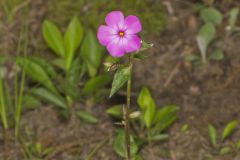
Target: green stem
[
  {"x": 97, "y": 148},
  {"x": 2, "y": 106},
  {"x": 127, "y": 110},
  {"x": 19, "y": 103},
  {"x": 19, "y": 95},
  {"x": 3, "y": 114},
  {"x": 149, "y": 136}
]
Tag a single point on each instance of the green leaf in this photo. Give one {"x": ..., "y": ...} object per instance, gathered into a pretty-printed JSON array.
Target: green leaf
[
  {"x": 229, "y": 129},
  {"x": 3, "y": 59},
  {"x": 191, "y": 57},
  {"x": 115, "y": 111},
  {"x": 207, "y": 32},
  {"x": 140, "y": 56},
  {"x": 217, "y": 55},
  {"x": 197, "y": 7},
  {"x": 8, "y": 97},
  {"x": 211, "y": 15},
  {"x": 233, "y": 15},
  {"x": 72, "y": 40},
  {"x": 91, "y": 53},
  {"x": 159, "y": 137},
  {"x": 59, "y": 62},
  {"x": 70, "y": 87},
  {"x": 149, "y": 114},
  {"x": 74, "y": 73},
  {"x": 119, "y": 145},
  {"x": 46, "y": 65},
  {"x": 238, "y": 144},
  {"x": 30, "y": 102},
  {"x": 165, "y": 117},
  {"x": 47, "y": 151},
  {"x": 184, "y": 128},
  {"x": 96, "y": 83},
  {"x": 137, "y": 157},
  {"x": 36, "y": 72},
  {"x": 202, "y": 45},
  {"x": 145, "y": 46},
  {"x": 204, "y": 38},
  {"x": 50, "y": 97},
  {"x": 53, "y": 37},
  {"x": 225, "y": 150},
  {"x": 212, "y": 135},
  {"x": 144, "y": 99},
  {"x": 87, "y": 117},
  {"x": 120, "y": 78}
]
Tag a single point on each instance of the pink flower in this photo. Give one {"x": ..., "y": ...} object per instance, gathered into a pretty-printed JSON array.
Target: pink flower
[{"x": 119, "y": 35}]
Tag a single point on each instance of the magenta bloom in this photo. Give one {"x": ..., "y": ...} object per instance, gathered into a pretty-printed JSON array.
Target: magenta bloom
[{"x": 119, "y": 35}]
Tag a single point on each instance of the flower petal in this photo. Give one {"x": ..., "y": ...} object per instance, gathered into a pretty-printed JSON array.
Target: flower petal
[
  {"x": 114, "y": 19},
  {"x": 133, "y": 24},
  {"x": 116, "y": 48},
  {"x": 105, "y": 34},
  {"x": 133, "y": 43}
]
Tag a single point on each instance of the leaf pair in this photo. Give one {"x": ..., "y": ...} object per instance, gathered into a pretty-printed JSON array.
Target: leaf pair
[
  {"x": 227, "y": 131},
  {"x": 211, "y": 17},
  {"x": 161, "y": 119},
  {"x": 64, "y": 46},
  {"x": 37, "y": 73},
  {"x": 119, "y": 145}
]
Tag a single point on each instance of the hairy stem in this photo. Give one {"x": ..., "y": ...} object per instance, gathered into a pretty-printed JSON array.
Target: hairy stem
[{"x": 127, "y": 110}]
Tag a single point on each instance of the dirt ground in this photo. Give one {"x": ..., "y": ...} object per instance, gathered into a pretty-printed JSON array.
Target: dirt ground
[{"x": 205, "y": 94}]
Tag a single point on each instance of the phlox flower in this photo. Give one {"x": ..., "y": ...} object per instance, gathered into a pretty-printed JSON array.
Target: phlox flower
[{"x": 119, "y": 35}]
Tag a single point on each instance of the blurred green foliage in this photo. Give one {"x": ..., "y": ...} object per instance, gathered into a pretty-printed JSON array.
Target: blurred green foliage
[
  {"x": 8, "y": 7},
  {"x": 92, "y": 13}
]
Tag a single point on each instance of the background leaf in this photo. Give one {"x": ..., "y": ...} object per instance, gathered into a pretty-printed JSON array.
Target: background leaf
[
  {"x": 159, "y": 137},
  {"x": 50, "y": 97},
  {"x": 87, "y": 117},
  {"x": 207, "y": 32},
  {"x": 71, "y": 85},
  {"x": 115, "y": 111},
  {"x": 144, "y": 98},
  {"x": 211, "y": 15},
  {"x": 165, "y": 117},
  {"x": 30, "y": 102},
  {"x": 120, "y": 78},
  {"x": 72, "y": 40},
  {"x": 212, "y": 135},
  {"x": 238, "y": 144},
  {"x": 217, "y": 55},
  {"x": 204, "y": 38},
  {"x": 229, "y": 129},
  {"x": 119, "y": 145},
  {"x": 59, "y": 62},
  {"x": 37, "y": 73},
  {"x": 96, "y": 83},
  {"x": 233, "y": 15},
  {"x": 91, "y": 53},
  {"x": 149, "y": 114},
  {"x": 53, "y": 37},
  {"x": 225, "y": 150},
  {"x": 191, "y": 57},
  {"x": 46, "y": 65}
]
